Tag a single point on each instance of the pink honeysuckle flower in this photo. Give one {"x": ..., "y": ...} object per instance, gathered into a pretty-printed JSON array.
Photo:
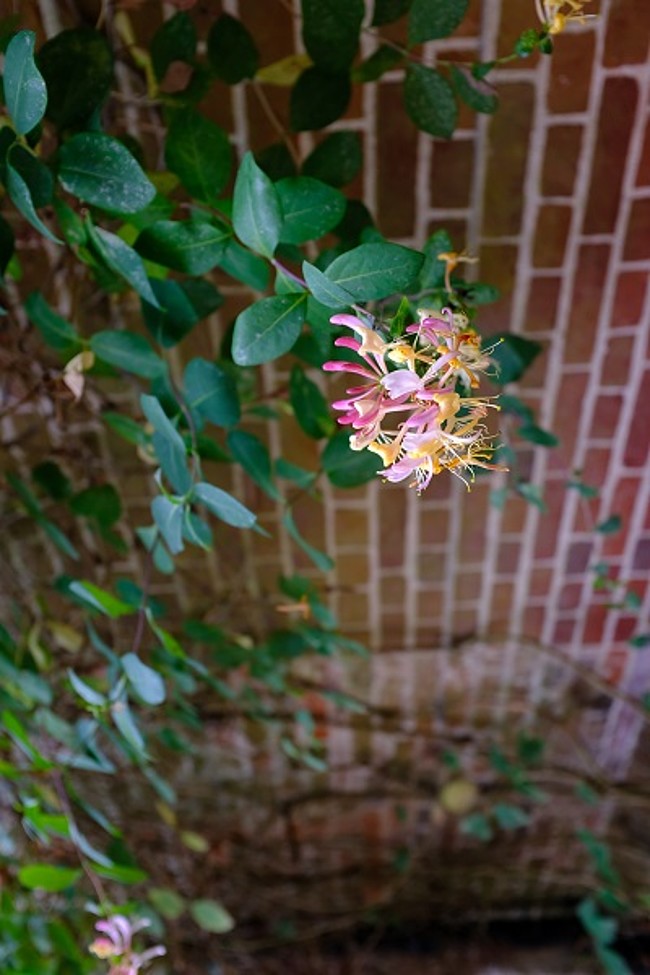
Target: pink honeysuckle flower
[{"x": 116, "y": 944}]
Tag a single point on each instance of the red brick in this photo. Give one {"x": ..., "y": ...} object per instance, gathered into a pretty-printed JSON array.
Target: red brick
[
  {"x": 637, "y": 241},
  {"x": 468, "y": 585},
  {"x": 535, "y": 375},
  {"x": 618, "y": 360},
  {"x": 541, "y": 581},
  {"x": 631, "y": 289},
  {"x": 606, "y": 416},
  {"x": 516, "y": 17},
  {"x": 563, "y": 632},
  {"x": 553, "y": 224},
  {"x": 570, "y": 596},
  {"x": 615, "y": 664},
  {"x": 514, "y": 515},
  {"x": 397, "y": 142},
  {"x": 509, "y": 134},
  {"x": 571, "y": 67},
  {"x": 625, "y": 627},
  {"x": 543, "y": 296},
  {"x": 568, "y": 408},
  {"x": 563, "y": 144},
  {"x": 636, "y": 450},
  {"x": 534, "y": 617},
  {"x": 578, "y": 558},
  {"x": 628, "y": 31},
  {"x": 498, "y": 263},
  {"x": 642, "y": 555},
  {"x": 508, "y": 558},
  {"x": 587, "y": 298},
  {"x": 554, "y": 496},
  {"x": 597, "y": 466},
  {"x": 451, "y": 173},
  {"x": 643, "y": 175},
  {"x": 595, "y": 623},
  {"x": 615, "y": 126}
]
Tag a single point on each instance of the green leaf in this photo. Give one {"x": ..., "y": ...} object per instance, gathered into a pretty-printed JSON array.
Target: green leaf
[
  {"x": 231, "y": 50},
  {"x": 191, "y": 246},
  {"x": 325, "y": 291},
  {"x": 275, "y": 160},
  {"x": 128, "y": 351},
  {"x": 7, "y": 245},
  {"x": 310, "y": 208},
  {"x": 77, "y": 66},
  {"x": 196, "y": 531},
  {"x": 512, "y": 356},
  {"x": 146, "y": 682},
  {"x": 25, "y": 93},
  {"x": 387, "y": 11},
  {"x": 429, "y": 101},
  {"x": 126, "y": 725},
  {"x": 21, "y": 197},
  {"x": 36, "y": 175},
  {"x": 122, "y": 259},
  {"x": 168, "y": 517},
  {"x": 320, "y": 559},
  {"x": 211, "y": 916},
  {"x": 510, "y": 817},
  {"x": 175, "y": 40},
  {"x": 224, "y": 506},
  {"x": 100, "y": 170},
  {"x": 249, "y": 451},
  {"x": 97, "y": 598},
  {"x": 432, "y": 274},
  {"x": 86, "y": 692},
  {"x": 381, "y": 61},
  {"x": 479, "y": 95},
  {"x": 199, "y": 153},
  {"x": 168, "y": 444},
  {"x": 47, "y": 876},
  {"x": 211, "y": 392},
  {"x": 55, "y": 331},
  {"x": 102, "y": 503},
  {"x": 432, "y": 19},
  {"x": 245, "y": 266},
  {"x": 183, "y": 304},
  {"x": 610, "y": 526},
  {"x": 318, "y": 98},
  {"x": 330, "y": 31},
  {"x": 584, "y": 490},
  {"x": 166, "y": 901},
  {"x": 256, "y": 211},
  {"x": 336, "y": 160},
  {"x": 535, "y": 434},
  {"x": 373, "y": 271},
  {"x": 532, "y": 493},
  {"x": 347, "y": 468},
  {"x": 478, "y": 826},
  {"x": 51, "y": 478},
  {"x": 268, "y": 328},
  {"x": 309, "y": 405}
]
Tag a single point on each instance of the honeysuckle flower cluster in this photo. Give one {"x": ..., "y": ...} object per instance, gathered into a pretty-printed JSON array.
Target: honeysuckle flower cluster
[
  {"x": 115, "y": 944},
  {"x": 555, "y": 16},
  {"x": 415, "y": 407}
]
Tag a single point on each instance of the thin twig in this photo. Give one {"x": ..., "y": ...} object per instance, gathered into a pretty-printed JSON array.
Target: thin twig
[{"x": 275, "y": 122}]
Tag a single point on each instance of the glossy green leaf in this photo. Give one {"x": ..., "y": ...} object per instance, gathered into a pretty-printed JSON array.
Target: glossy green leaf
[
  {"x": 224, "y": 506},
  {"x": 166, "y": 901},
  {"x": 100, "y": 170},
  {"x": 512, "y": 355},
  {"x": 212, "y": 916},
  {"x": 326, "y": 292},
  {"x": 640, "y": 641},
  {"x": 382, "y": 60},
  {"x": 249, "y": 451},
  {"x": 191, "y": 246},
  {"x": 318, "y": 98},
  {"x": 175, "y": 40},
  {"x": 196, "y": 531},
  {"x": 86, "y": 692},
  {"x": 21, "y": 197},
  {"x": 168, "y": 518},
  {"x": 25, "y": 93},
  {"x": 256, "y": 211},
  {"x": 478, "y": 826},
  {"x": 310, "y": 407},
  {"x": 211, "y": 392},
  {"x": 244, "y": 266},
  {"x": 268, "y": 329},
  {"x": 182, "y": 305},
  {"x": 322, "y": 561},
  {"x": 37, "y": 176},
  {"x": 429, "y": 101},
  {"x": 122, "y": 259},
  {"x": 55, "y": 331},
  {"x": 432, "y": 19},
  {"x": 310, "y": 208},
  {"x": 128, "y": 351},
  {"x": 198, "y": 152},
  {"x": 375, "y": 270},
  {"x": 537, "y": 435},
  {"x": 48, "y": 876},
  {"x": 336, "y": 160},
  {"x": 510, "y": 817},
  {"x": 99, "y": 599},
  {"x": 347, "y": 468},
  {"x": 479, "y": 95},
  {"x": 330, "y": 31},
  {"x": 126, "y": 725},
  {"x": 387, "y": 11},
  {"x": 101, "y": 503},
  {"x": 610, "y": 526},
  {"x": 276, "y": 161},
  {"x": 77, "y": 66},
  {"x": 168, "y": 445},
  {"x": 51, "y": 479},
  {"x": 231, "y": 50},
  {"x": 146, "y": 682}
]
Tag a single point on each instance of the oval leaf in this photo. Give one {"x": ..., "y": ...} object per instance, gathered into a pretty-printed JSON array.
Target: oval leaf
[
  {"x": 77, "y": 66},
  {"x": 147, "y": 682},
  {"x": 318, "y": 98},
  {"x": 325, "y": 291},
  {"x": 211, "y": 392},
  {"x": 168, "y": 517},
  {"x": 211, "y": 916},
  {"x": 431, "y": 19},
  {"x": 224, "y": 506},
  {"x": 249, "y": 451},
  {"x": 330, "y": 30},
  {"x": 310, "y": 208},
  {"x": 429, "y": 101},
  {"x": 348, "y": 468},
  {"x": 375, "y": 270},
  {"x": 268, "y": 329},
  {"x": 336, "y": 160},
  {"x": 191, "y": 246},
  {"x": 100, "y": 170},
  {"x": 256, "y": 212},
  {"x": 24, "y": 88},
  {"x": 199, "y": 153},
  {"x": 231, "y": 50},
  {"x": 122, "y": 259},
  {"x": 48, "y": 876},
  {"x": 127, "y": 351}
]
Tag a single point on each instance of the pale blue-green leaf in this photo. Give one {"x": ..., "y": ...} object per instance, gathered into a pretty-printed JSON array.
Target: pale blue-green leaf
[
  {"x": 320, "y": 559},
  {"x": 128, "y": 351},
  {"x": 324, "y": 290},
  {"x": 169, "y": 519},
  {"x": 24, "y": 88},
  {"x": 224, "y": 506},
  {"x": 211, "y": 916},
  {"x": 122, "y": 259},
  {"x": 85, "y": 691},
  {"x": 211, "y": 392},
  {"x": 97, "y": 598},
  {"x": 125, "y": 724},
  {"x": 147, "y": 682},
  {"x": 249, "y": 451},
  {"x": 18, "y": 191}
]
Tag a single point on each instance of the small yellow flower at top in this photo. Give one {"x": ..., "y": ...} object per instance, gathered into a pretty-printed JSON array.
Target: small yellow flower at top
[
  {"x": 452, "y": 260},
  {"x": 555, "y": 16}
]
